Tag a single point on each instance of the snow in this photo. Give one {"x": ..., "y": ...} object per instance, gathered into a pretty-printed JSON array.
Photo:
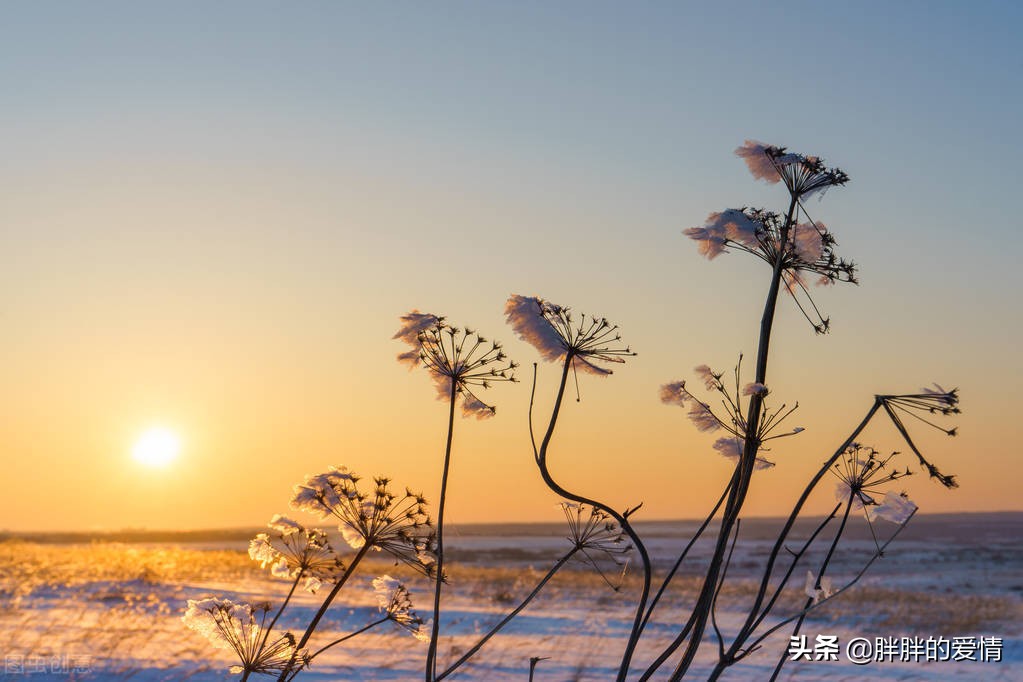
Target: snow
[{"x": 114, "y": 610}]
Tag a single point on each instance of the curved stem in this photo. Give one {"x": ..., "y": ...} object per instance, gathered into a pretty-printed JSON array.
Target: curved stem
[
  {"x": 681, "y": 557},
  {"x": 431, "y": 655},
  {"x": 621, "y": 519},
  {"x": 532, "y": 396},
  {"x": 507, "y": 619}
]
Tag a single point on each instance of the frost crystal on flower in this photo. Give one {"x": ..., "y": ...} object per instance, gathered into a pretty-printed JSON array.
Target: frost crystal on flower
[
  {"x": 818, "y": 594},
  {"x": 703, "y": 418},
  {"x": 293, "y": 551},
  {"x": 284, "y": 525},
  {"x": 397, "y": 525},
  {"x": 552, "y": 331},
  {"x": 394, "y": 600},
  {"x": 730, "y": 448},
  {"x": 897, "y": 508},
  {"x": 711, "y": 379},
  {"x": 754, "y": 389},
  {"x": 802, "y": 175},
  {"x": 415, "y": 323},
  {"x": 456, "y": 358},
  {"x": 240, "y": 628},
  {"x": 674, "y": 393}
]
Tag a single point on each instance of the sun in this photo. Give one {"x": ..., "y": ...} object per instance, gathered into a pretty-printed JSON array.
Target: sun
[{"x": 157, "y": 447}]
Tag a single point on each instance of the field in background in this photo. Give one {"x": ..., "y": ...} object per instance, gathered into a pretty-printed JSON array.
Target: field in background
[{"x": 111, "y": 610}]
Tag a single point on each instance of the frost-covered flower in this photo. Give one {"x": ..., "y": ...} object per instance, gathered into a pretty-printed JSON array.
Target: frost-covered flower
[
  {"x": 240, "y": 628},
  {"x": 293, "y": 551},
  {"x": 674, "y": 393},
  {"x": 456, "y": 358},
  {"x": 397, "y": 525},
  {"x": 731, "y": 447},
  {"x": 803, "y": 249},
  {"x": 754, "y": 388},
  {"x": 284, "y": 525},
  {"x": 414, "y": 323},
  {"x": 702, "y": 417},
  {"x": 595, "y": 535},
  {"x": 552, "y": 331},
  {"x": 897, "y": 508},
  {"x": 802, "y": 175},
  {"x": 394, "y": 600},
  {"x": 731, "y": 226},
  {"x": 711, "y": 379},
  {"x": 734, "y": 419},
  {"x": 861, "y": 475},
  {"x": 818, "y": 594}
]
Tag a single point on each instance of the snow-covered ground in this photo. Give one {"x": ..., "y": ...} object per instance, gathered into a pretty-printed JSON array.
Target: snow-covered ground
[{"x": 108, "y": 611}]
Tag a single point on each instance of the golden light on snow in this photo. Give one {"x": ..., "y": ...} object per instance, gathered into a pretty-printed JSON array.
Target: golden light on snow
[{"x": 157, "y": 447}]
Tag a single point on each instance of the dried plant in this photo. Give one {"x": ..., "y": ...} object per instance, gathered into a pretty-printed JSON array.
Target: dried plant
[
  {"x": 740, "y": 410},
  {"x": 460, "y": 361}
]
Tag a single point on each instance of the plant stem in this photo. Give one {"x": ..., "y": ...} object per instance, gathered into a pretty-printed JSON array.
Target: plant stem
[
  {"x": 323, "y": 608},
  {"x": 756, "y": 615},
  {"x": 681, "y": 558},
  {"x": 775, "y": 551},
  {"x": 269, "y": 628},
  {"x": 622, "y": 521},
  {"x": 877, "y": 555},
  {"x": 507, "y": 619},
  {"x": 817, "y": 584},
  {"x": 349, "y": 636},
  {"x": 746, "y": 463},
  {"x": 431, "y": 655}
]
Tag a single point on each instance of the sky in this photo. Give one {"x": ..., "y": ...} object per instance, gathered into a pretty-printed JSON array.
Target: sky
[{"x": 213, "y": 215}]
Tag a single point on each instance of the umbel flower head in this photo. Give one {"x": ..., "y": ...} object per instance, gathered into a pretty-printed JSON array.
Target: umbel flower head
[
  {"x": 932, "y": 402},
  {"x": 861, "y": 474},
  {"x": 386, "y": 522},
  {"x": 293, "y": 551},
  {"x": 458, "y": 358},
  {"x": 803, "y": 249},
  {"x": 395, "y": 601},
  {"x": 552, "y": 331},
  {"x": 802, "y": 175},
  {"x": 596, "y": 536},
  {"x": 240, "y": 628},
  {"x": 731, "y": 405}
]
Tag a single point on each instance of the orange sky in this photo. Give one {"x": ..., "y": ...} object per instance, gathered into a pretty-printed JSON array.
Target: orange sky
[{"x": 218, "y": 235}]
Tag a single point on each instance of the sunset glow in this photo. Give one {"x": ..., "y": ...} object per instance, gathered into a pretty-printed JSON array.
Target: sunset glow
[{"x": 156, "y": 448}]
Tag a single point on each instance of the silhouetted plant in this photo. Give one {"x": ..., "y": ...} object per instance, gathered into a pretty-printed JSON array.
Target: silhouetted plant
[{"x": 741, "y": 411}]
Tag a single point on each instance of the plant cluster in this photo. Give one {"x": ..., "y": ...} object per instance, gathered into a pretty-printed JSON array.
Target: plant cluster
[{"x": 739, "y": 408}]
